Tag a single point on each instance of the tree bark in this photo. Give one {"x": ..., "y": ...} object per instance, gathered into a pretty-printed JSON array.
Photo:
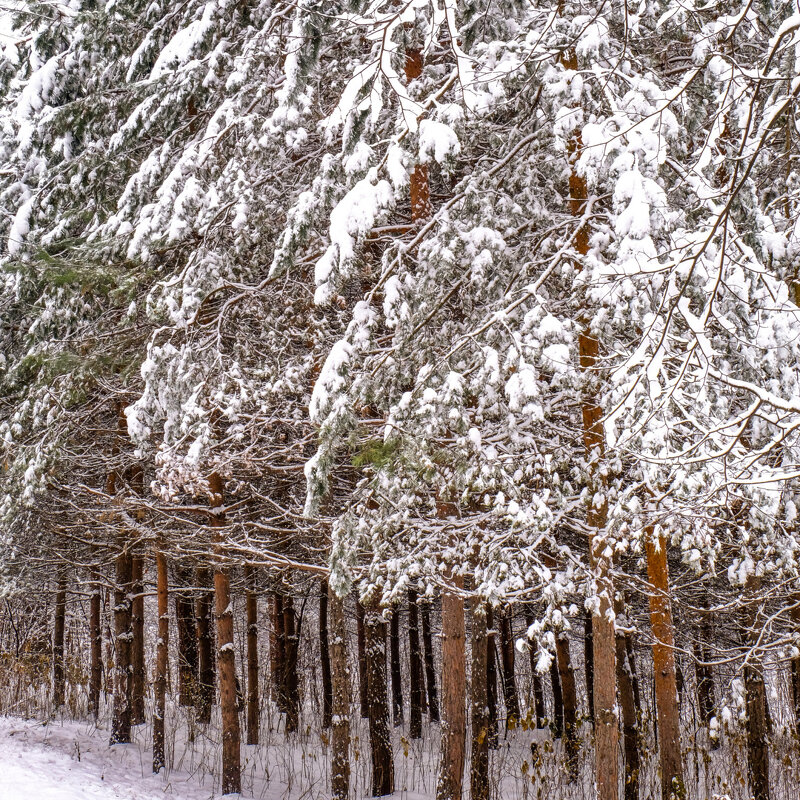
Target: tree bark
[
  {"x": 796, "y": 663},
  {"x": 278, "y": 652},
  {"x": 96, "y": 649},
  {"x": 139, "y": 674},
  {"x": 536, "y": 678},
  {"x": 162, "y": 657},
  {"x": 251, "y": 612},
  {"x": 325, "y": 656},
  {"x": 291, "y": 682},
  {"x": 491, "y": 680},
  {"x": 454, "y": 686},
  {"x": 187, "y": 639},
  {"x": 430, "y": 668},
  {"x": 363, "y": 691},
  {"x": 569, "y": 699},
  {"x": 205, "y": 649},
  {"x": 417, "y": 694},
  {"x": 121, "y": 719},
  {"x": 558, "y": 702},
  {"x": 588, "y": 660},
  {"x": 340, "y": 678},
  {"x": 666, "y": 688},
  {"x": 380, "y": 743},
  {"x": 757, "y": 710},
  {"x": 507, "y": 654},
  {"x": 479, "y": 751},
  {"x": 630, "y": 736},
  {"x": 394, "y": 658},
  {"x": 59, "y": 623}
]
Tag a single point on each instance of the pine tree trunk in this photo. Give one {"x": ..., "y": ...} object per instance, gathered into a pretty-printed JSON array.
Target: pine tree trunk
[
  {"x": 162, "y": 660},
  {"x": 454, "y": 687},
  {"x": 704, "y": 675},
  {"x": 558, "y": 702},
  {"x": 666, "y": 687},
  {"x": 588, "y": 660},
  {"x": 109, "y": 671},
  {"x": 278, "y": 652},
  {"x": 205, "y": 649},
  {"x": 325, "y": 656},
  {"x": 569, "y": 699},
  {"x": 417, "y": 694},
  {"x": 536, "y": 678},
  {"x": 630, "y": 736},
  {"x": 340, "y": 678},
  {"x": 491, "y": 680},
  {"x": 251, "y": 612},
  {"x": 507, "y": 654},
  {"x": 363, "y": 691},
  {"x": 96, "y": 649},
  {"x": 394, "y": 658},
  {"x": 479, "y": 751},
  {"x": 430, "y": 668},
  {"x": 121, "y": 719},
  {"x": 137, "y": 643},
  {"x": 380, "y": 742},
  {"x": 187, "y": 639},
  {"x": 796, "y": 667},
  {"x": 757, "y": 727},
  {"x": 291, "y": 682},
  {"x": 59, "y": 624}
]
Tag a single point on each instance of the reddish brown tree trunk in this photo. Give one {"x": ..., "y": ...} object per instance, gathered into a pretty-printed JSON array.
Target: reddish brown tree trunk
[
  {"x": 137, "y": 643},
  {"x": 454, "y": 686},
  {"x": 187, "y": 639},
  {"x": 96, "y": 649},
  {"x": 251, "y": 612},
  {"x": 162, "y": 657},
  {"x": 340, "y": 677},
  {"x": 205, "y": 649},
  {"x": 363, "y": 691},
  {"x": 394, "y": 659},
  {"x": 417, "y": 693},
  {"x": 121, "y": 719},
  {"x": 666, "y": 688},
  {"x": 430, "y": 668},
  {"x": 325, "y": 656},
  {"x": 380, "y": 742},
  {"x": 479, "y": 751},
  {"x": 59, "y": 624},
  {"x": 569, "y": 699},
  {"x": 291, "y": 682},
  {"x": 278, "y": 652},
  {"x": 588, "y": 660}
]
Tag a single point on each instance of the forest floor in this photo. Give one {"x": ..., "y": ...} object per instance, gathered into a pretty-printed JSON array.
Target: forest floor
[{"x": 73, "y": 761}]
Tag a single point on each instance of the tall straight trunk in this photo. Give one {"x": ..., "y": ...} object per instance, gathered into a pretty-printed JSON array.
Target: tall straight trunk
[
  {"x": 558, "y": 701},
  {"x": 340, "y": 679},
  {"x": 627, "y": 699},
  {"x": 796, "y": 662},
  {"x": 569, "y": 699},
  {"x": 59, "y": 623},
  {"x": 121, "y": 719},
  {"x": 666, "y": 687},
  {"x": 417, "y": 693},
  {"x": 588, "y": 660},
  {"x": 205, "y": 649},
  {"x": 139, "y": 674},
  {"x": 394, "y": 659},
  {"x": 187, "y": 638},
  {"x": 363, "y": 691},
  {"x": 757, "y": 710},
  {"x": 291, "y": 680},
  {"x": 231, "y": 767},
  {"x": 380, "y": 742},
  {"x": 479, "y": 750},
  {"x": 491, "y": 680},
  {"x": 603, "y": 639},
  {"x": 109, "y": 672},
  {"x": 703, "y": 673},
  {"x": 507, "y": 654},
  {"x": 454, "y": 687},
  {"x": 278, "y": 652},
  {"x": 537, "y": 684},
  {"x": 325, "y": 656},
  {"x": 251, "y": 612},
  {"x": 162, "y": 659},
  {"x": 96, "y": 650},
  {"x": 430, "y": 668}
]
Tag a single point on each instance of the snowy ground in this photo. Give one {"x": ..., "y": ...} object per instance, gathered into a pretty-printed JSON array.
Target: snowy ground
[{"x": 72, "y": 761}]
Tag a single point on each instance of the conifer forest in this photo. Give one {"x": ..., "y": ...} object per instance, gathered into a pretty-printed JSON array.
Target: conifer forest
[{"x": 400, "y": 398}]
